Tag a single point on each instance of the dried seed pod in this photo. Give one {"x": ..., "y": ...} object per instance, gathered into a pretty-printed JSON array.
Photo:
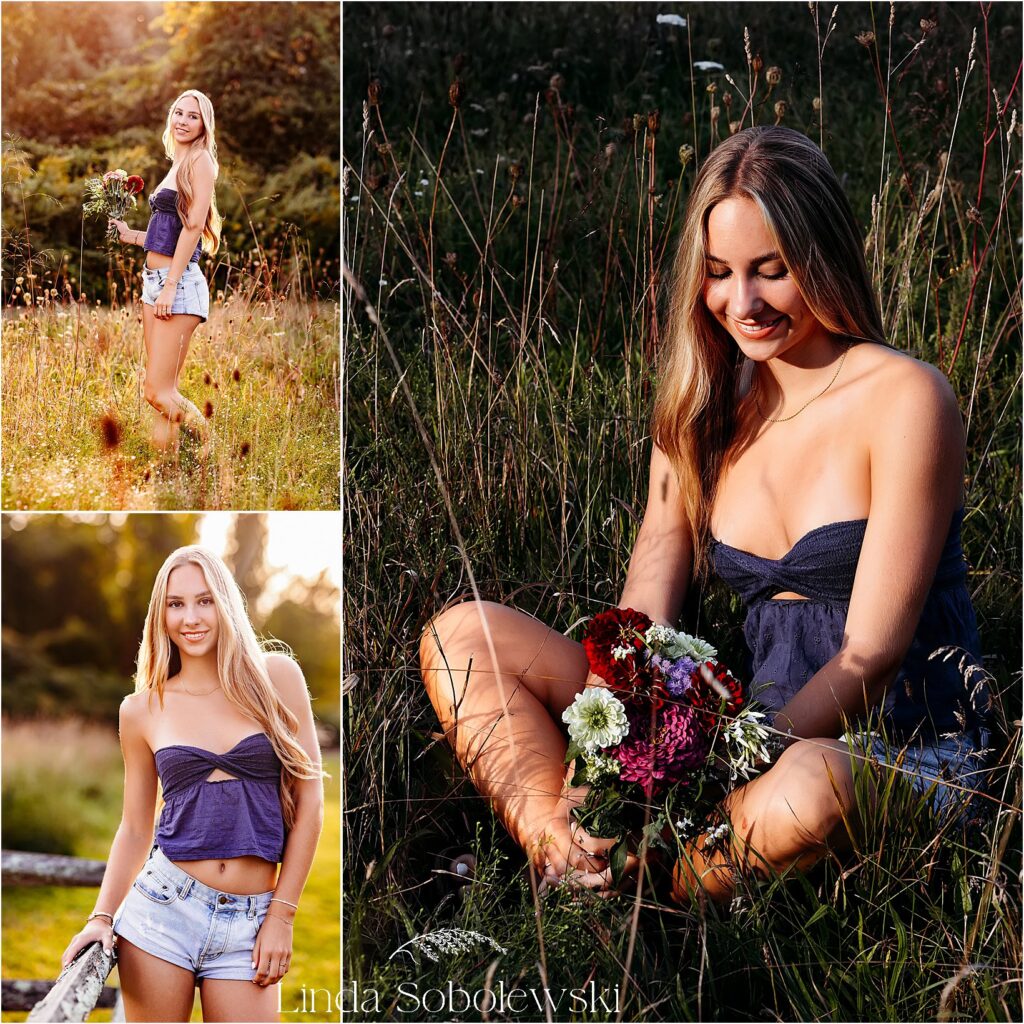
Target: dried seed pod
[
  {"x": 865, "y": 38},
  {"x": 773, "y": 75},
  {"x": 654, "y": 121},
  {"x": 780, "y": 109},
  {"x": 373, "y": 91},
  {"x": 685, "y": 154},
  {"x": 456, "y": 93},
  {"x": 757, "y": 64}
]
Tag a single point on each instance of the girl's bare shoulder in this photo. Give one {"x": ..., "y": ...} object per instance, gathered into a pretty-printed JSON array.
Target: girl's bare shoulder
[
  {"x": 886, "y": 376},
  {"x": 902, "y": 401}
]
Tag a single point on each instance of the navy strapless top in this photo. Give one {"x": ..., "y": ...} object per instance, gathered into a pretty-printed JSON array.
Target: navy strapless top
[
  {"x": 165, "y": 224},
  {"x": 239, "y": 817},
  {"x": 790, "y": 640}
]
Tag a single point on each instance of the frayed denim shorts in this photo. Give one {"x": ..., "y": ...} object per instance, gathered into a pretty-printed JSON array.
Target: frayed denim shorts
[
  {"x": 177, "y": 918},
  {"x": 948, "y": 771},
  {"x": 192, "y": 295}
]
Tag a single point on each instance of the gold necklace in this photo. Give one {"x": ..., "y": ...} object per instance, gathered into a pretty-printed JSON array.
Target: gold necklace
[
  {"x": 785, "y": 419},
  {"x": 205, "y": 693}
]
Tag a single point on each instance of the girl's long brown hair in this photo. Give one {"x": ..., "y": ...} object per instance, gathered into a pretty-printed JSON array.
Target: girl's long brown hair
[
  {"x": 814, "y": 231},
  {"x": 184, "y": 176}
]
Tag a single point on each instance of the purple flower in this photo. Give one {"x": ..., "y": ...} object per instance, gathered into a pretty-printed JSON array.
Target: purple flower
[
  {"x": 677, "y": 747},
  {"x": 677, "y": 674}
]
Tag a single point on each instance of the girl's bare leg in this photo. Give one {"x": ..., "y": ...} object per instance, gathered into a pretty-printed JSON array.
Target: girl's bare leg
[
  {"x": 500, "y": 717},
  {"x": 791, "y": 816},
  {"x": 225, "y": 1000},
  {"x": 153, "y": 989},
  {"x": 167, "y": 343}
]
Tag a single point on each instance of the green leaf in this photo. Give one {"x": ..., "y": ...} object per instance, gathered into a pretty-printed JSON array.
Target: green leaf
[
  {"x": 573, "y": 751},
  {"x": 617, "y": 860}
]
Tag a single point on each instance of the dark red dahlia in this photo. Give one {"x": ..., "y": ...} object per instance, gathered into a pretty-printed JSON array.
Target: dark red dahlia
[
  {"x": 712, "y": 700},
  {"x": 617, "y": 627},
  {"x": 134, "y": 184},
  {"x": 669, "y": 753}
]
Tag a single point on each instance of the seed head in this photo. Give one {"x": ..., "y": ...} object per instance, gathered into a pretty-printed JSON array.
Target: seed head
[
  {"x": 780, "y": 109},
  {"x": 734, "y": 127},
  {"x": 638, "y": 120},
  {"x": 757, "y": 64},
  {"x": 685, "y": 154},
  {"x": 865, "y": 38},
  {"x": 208, "y": 410},
  {"x": 244, "y": 449},
  {"x": 110, "y": 430},
  {"x": 236, "y": 375},
  {"x": 373, "y": 91},
  {"x": 557, "y": 82},
  {"x": 727, "y": 100},
  {"x": 816, "y": 103},
  {"x": 207, "y": 379},
  {"x": 456, "y": 93},
  {"x": 654, "y": 121},
  {"x": 773, "y": 75}
]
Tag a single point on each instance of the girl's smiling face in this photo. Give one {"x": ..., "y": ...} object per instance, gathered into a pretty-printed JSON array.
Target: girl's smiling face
[
  {"x": 190, "y": 613},
  {"x": 747, "y": 287},
  {"x": 186, "y": 120}
]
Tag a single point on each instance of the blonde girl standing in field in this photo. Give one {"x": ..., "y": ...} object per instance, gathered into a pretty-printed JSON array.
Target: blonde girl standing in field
[
  {"x": 183, "y": 222},
  {"x": 819, "y": 471},
  {"x": 231, "y": 739}
]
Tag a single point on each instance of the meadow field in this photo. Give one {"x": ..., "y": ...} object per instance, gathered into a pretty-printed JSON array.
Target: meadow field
[
  {"x": 68, "y": 776},
  {"x": 76, "y": 427},
  {"x": 514, "y": 179}
]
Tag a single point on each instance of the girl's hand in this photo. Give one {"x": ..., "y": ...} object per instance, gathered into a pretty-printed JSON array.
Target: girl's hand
[
  {"x": 124, "y": 232},
  {"x": 99, "y": 929},
  {"x": 272, "y": 954},
  {"x": 164, "y": 301},
  {"x": 564, "y": 851}
]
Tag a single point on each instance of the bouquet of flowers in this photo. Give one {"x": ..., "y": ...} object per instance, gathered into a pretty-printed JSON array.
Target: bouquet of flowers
[
  {"x": 665, "y": 741},
  {"x": 112, "y": 196}
]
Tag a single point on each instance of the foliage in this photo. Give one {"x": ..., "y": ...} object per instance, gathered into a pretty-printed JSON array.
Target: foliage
[
  {"x": 275, "y": 116},
  {"x": 76, "y": 591},
  {"x": 510, "y": 239}
]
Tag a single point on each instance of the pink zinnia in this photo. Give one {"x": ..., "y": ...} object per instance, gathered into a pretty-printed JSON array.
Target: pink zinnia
[{"x": 679, "y": 746}]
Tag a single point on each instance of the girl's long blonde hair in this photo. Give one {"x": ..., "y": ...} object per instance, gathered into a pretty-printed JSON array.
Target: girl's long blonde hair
[
  {"x": 183, "y": 179},
  {"x": 240, "y": 665},
  {"x": 814, "y": 231}
]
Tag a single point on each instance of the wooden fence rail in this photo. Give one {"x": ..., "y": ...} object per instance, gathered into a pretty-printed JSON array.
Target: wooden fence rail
[{"x": 81, "y": 986}]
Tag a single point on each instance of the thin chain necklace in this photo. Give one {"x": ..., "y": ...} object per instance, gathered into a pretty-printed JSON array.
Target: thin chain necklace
[
  {"x": 785, "y": 419},
  {"x": 205, "y": 693}
]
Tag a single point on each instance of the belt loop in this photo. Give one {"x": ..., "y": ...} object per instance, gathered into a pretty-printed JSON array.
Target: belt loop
[
  {"x": 251, "y": 913},
  {"x": 187, "y": 887}
]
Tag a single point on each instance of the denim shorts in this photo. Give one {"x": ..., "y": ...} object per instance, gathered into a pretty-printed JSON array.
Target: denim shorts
[
  {"x": 177, "y": 918},
  {"x": 192, "y": 295},
  {"x": 947, "y": 771}
]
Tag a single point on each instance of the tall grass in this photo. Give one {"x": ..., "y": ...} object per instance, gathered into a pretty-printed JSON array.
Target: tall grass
[{"x": 499, "y": 351}]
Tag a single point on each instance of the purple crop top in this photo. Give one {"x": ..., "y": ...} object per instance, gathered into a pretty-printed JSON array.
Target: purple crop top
[
  {"x": 165, "y": 224},
  {"x": 239, "y": 817}
]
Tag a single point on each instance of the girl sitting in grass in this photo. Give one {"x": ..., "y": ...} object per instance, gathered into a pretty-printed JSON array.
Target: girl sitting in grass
[{"x": 819, "y": 472}]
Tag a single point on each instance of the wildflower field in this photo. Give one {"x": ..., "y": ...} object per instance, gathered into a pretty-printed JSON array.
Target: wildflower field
[
  {"x": 513, "y": 182},
  {"x": 76, "y": 428}
]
